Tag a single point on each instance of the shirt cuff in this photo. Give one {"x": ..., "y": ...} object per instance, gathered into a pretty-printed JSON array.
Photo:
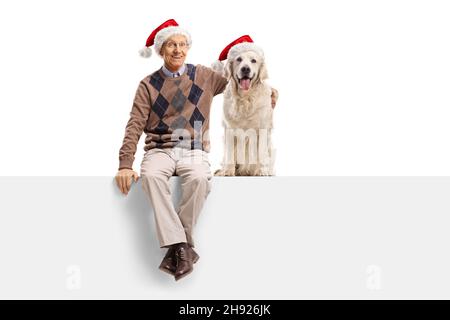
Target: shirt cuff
[{"x": 126, "y": 163}]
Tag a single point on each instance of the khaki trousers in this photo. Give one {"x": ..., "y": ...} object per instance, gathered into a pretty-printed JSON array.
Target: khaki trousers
[{"x": 193, "y": 167}]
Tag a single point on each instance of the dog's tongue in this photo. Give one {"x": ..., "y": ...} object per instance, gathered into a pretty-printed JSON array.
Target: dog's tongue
[{"x": 245, "y": 84}]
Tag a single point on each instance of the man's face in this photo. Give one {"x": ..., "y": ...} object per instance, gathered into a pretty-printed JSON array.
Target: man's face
[{"x": 174, "y": 52}]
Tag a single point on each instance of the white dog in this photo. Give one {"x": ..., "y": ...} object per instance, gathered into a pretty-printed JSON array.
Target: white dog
[{"x": 247, "y": 118}]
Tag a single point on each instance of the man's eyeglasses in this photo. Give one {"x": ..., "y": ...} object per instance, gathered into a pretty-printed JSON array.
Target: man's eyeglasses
[{"x": 172, "y": 45}]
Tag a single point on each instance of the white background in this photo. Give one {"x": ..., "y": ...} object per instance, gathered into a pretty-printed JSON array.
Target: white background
[{"x": 364, "y": 85}]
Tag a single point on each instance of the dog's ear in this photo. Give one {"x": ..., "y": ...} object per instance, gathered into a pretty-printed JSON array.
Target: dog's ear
[
  {"x": 228, "y": 71},
  {"x": 263, "y": 75}
]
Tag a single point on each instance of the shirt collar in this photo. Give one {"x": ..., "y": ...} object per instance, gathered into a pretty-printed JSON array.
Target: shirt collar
[{"x": 171, "y": 74}]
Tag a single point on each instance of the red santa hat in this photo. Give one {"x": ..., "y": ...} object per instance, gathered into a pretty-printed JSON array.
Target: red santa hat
[
  {"x": 160, "y": 35},
  {"x": 231, "y": 51}
]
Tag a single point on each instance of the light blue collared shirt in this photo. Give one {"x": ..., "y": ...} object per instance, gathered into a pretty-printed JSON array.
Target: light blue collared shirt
[{"x": 171, "y": 74}]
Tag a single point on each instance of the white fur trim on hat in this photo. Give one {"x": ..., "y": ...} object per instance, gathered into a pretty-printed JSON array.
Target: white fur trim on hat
[
  {"x": 242, "y": 47},
  {"x": 146, "y": 52},
  {"x": 166, "y": 33}
]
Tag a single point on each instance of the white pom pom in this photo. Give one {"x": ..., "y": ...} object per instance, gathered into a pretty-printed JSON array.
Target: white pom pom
[
  {"x": 145, "y": 52},
  {"x": 218, "y": 66}
]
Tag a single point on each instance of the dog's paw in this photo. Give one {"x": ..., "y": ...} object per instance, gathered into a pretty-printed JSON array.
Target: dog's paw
[
  {"x": 224, "y": 173},
  {"x": 263, "y": 172}
]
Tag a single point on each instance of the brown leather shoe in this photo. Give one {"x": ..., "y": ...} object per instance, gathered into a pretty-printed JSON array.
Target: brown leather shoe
[
  {"x": 185, "y": 258},
  {"x": 169, "y": 263}
]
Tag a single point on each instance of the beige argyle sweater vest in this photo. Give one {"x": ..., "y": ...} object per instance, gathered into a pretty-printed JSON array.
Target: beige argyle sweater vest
[{"x": 172, "y": 111}]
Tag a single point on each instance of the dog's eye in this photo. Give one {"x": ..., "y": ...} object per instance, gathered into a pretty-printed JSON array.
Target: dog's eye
[
  {"x": 239, "y": 59},
  {"x": 253, "y": 61}
]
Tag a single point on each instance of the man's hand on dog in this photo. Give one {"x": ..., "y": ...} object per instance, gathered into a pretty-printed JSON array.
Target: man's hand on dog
[
  {"x": 124, "y": 178},
  {"x": 274, "y": 97}
]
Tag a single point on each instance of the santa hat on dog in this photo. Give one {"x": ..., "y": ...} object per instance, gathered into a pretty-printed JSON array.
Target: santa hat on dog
[
  {"x": 160, "y": 35},
  {"x": 241, "y": 44}
]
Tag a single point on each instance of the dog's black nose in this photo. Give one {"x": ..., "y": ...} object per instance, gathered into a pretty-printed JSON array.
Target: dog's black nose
[{"x": 245, "y": 70}]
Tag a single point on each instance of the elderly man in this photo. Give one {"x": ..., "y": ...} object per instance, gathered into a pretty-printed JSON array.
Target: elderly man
[{"x": 172, "y": 107}]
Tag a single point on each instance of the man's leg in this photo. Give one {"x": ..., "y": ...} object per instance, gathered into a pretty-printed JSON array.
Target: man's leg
[
  {"x": 156, "y": 169},
  {"x": 194, "y": 169}
]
